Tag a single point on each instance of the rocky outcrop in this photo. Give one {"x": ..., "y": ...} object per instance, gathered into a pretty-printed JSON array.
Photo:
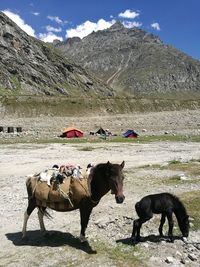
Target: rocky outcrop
[
  {"x": 29, "y": 66},
  {"x": 134, "y": 61}
]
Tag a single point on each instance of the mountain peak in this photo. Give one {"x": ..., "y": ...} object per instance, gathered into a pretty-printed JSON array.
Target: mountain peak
[
  {"x": 29, "y": 66},
  {"x": 117, "y": 26},
  {"x": 135, "y": 61}
]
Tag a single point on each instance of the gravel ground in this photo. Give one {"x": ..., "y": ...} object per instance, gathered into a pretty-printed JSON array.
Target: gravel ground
[
  {"x": 172, "y": 122},
  {"x": 110, "y": 225}
]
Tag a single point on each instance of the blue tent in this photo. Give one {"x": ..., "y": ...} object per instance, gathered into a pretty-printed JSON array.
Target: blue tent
[{"x": 130, "y": 133}]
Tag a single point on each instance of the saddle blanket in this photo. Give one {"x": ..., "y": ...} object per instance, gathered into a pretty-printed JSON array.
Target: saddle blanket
[{"x": 58, "y": 206}]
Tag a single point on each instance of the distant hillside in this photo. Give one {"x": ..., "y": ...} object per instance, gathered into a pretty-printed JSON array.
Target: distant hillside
[
  {"x": 135, "y": 62},
  {"x": 31, "y": 67}
]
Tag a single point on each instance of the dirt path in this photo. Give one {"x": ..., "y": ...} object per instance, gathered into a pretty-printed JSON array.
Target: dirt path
[{"x": 109, "y": 222}]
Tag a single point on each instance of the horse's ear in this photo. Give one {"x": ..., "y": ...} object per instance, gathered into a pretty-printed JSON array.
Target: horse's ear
[
  {"x": 108, "y": 163},
  {"x": 122, "y": 164}
]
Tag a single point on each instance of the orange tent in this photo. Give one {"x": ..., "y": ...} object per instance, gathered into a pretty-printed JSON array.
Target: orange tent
[{"x": 71, "y": 132}]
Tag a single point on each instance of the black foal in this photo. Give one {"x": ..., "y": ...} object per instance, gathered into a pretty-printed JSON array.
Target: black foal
[{"x": 165, "y": 204}]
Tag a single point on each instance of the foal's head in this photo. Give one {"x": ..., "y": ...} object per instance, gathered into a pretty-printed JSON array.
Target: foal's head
[
  {"x": 116, "y": 178},
  {"x": 184, "y": 226}
]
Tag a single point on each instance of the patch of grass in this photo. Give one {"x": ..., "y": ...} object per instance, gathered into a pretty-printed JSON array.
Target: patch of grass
[
  {"x": 174, "y": 161},
  {"x": 112, "y": 139},
  {"x": 122, "y": 254},
  {"x": 194, "y": 160},
  {"x": 191, "y": 201},
  {"x": 175, "y": 180},
  {"x": 87, "y": 148},
  {"x": 35, "y": 105},
  {"x": 191, "y": 169}
]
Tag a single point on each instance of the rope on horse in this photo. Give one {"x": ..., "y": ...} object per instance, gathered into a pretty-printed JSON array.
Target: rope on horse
[
  {"x": 86, "y": 189},
  {"x": 65, "y": 195}
]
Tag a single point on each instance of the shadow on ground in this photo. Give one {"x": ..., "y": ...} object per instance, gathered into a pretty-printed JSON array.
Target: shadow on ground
[
  {"x": 150, "y": 238},
  {"x": 51, "y": 239}
]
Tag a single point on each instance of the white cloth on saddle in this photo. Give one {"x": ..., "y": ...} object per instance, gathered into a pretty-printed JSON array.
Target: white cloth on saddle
[
  {"x": 72, "y": 170},
  {"x": 48, "y": 174}
]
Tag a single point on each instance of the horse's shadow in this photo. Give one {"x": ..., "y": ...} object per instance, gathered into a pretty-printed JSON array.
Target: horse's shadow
[
  {"x": 149, "y": 238},
  {"x": 51, "y": 239}
]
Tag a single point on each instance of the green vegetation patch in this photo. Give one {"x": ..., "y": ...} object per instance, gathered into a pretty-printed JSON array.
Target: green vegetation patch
[
  {"x": 185, "y": 172},
  {"x": 190, "y": 168},
  {"x": 122, "y": 254},
  {"x": 175, "y": 180},
  {"x": 191, "y": 201},
  {"x": 87, "y": 148},
  {"x": 103, "y": 140}
]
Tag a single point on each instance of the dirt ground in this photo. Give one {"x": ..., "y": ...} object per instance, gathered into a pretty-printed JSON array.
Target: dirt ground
[{"x": 110, "y": 225}]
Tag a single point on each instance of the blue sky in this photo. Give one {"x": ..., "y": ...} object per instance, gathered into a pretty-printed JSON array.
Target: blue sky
[{"x": 176, "y": 22}]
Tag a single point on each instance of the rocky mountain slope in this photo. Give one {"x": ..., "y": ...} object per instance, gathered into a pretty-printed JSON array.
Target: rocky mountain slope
[
  {"x": 134, "y": 61},
  {"x": 29, "y": 66}
]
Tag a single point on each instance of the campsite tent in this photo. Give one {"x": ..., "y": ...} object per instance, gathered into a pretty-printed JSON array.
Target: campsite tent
[
  {"x": 101, "y": 131},
  {"x": 130, "y": 133},
  {"x": 71, "y": 132}
]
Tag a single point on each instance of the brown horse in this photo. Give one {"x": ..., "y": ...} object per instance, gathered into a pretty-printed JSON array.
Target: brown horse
[{"x": 103, "y": 177}]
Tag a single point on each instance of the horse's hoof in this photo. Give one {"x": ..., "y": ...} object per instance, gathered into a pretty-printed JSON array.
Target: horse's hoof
[
  {"x": 185, "y": 240},
  {"x": 83, "y": 239},
  {"x": 170, "y": 240},
  {"x": 138, "y": 238},
  {"x": 134, "y": 240}
]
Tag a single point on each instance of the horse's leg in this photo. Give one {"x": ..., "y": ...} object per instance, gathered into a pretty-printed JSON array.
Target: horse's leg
[
  {"x": 30, "y": 208},
  {"x": 85, "y": 215},
  {"x": 41, "y": 220},
  {"x": 137, "y": 224},
  {"x": 171, "y": 225},
  {"x": 162, "y": 221}
]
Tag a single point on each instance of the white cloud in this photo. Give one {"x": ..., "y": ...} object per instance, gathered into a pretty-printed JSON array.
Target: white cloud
[
  {"x": 128, "y": 14},
  {"x": 156, "y": 26},
  {"x": 20, "y": 22},
  {"x": 131, "y": 24},
  {"x": 55, "y": 18},
  {"x": 36, "y": 13},
  {"x": 88, "y": 27},
  {"x": 52, "y": 29},
  {"x": 49, "y": 37}
]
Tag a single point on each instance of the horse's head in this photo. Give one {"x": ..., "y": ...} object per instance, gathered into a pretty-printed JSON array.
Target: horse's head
[
  {"x": 116, "y": 178},
  {"x": 184, "y": 226}
]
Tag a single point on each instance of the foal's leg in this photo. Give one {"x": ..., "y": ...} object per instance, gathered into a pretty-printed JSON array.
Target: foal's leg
[
  {"x": 162, "y": 221},
  {"x": 171, "y": 225},
  {"x": 137, "y": 224},
  {"x": 30, "y": 208},
  {"x": 41, "y": 220}
]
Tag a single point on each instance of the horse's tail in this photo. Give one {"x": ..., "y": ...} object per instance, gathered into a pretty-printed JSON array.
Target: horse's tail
[{"x": 45, "y": 212}]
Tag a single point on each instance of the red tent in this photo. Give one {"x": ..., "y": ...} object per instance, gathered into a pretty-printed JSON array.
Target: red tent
[{"x": 71, "y": 132}]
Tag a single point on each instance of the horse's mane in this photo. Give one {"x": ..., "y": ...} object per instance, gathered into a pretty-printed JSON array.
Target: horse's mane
[
  {"x": 92, "y": 176},
  {"x": 179, "y": 208},
  {"x": 180, "y": 212},
  {"x": 95, "y": 178}
]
